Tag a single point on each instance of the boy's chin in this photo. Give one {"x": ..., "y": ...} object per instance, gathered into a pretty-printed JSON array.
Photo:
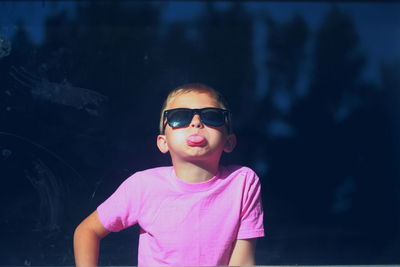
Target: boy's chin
[{"x": 201, "y": 156}]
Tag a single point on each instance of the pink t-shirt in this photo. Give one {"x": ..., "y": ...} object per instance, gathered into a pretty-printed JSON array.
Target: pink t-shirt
[{"x": 191, "y": 224}]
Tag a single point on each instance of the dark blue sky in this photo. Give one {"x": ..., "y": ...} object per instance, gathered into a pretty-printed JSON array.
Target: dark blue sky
[{"x": 377, "y": 23}]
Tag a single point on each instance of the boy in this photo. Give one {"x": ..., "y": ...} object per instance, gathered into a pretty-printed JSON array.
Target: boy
[{"x": 195, "y": 213}]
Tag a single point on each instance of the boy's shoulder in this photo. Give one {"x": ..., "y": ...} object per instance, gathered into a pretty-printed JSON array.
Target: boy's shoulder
[
  {"x": 149, "y": 175},
  {"x": 152, "y": 172},
  {"x": 148, "y": 180},
  {"x": 239, "y": 171}
]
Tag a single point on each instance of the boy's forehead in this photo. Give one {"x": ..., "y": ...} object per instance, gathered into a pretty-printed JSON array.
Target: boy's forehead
[{"x": 193, "y": 100}]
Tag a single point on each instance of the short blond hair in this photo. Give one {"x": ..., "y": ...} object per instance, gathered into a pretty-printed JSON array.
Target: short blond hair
[{"x": 192, "y": 87}]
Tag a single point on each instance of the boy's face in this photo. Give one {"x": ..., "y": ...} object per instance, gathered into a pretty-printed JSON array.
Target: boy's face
[{"x": 196, "y": 141}]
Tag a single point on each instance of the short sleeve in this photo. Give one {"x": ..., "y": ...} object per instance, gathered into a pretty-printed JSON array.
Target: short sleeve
[
  {"x": 122, "y": 208},
  {"x": 251, "y": 218}
]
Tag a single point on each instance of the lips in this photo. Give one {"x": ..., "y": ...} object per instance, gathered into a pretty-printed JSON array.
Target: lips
[{"x": 195, "y": 140}]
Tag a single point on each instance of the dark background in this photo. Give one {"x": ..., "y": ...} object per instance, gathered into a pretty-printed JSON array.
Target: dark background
[{"x": 316, "y": 113}]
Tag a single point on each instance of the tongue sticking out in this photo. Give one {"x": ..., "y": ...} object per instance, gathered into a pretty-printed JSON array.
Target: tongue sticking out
[{"x": 195, "y": 140}]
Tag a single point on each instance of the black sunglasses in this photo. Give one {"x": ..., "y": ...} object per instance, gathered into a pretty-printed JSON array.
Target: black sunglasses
[{"x": 181, "y": 117}]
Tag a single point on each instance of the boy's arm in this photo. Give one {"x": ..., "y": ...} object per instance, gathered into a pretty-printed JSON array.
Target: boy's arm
[
  {"x": 243, "y": 252},
  {"x": 87, "y": 238}
]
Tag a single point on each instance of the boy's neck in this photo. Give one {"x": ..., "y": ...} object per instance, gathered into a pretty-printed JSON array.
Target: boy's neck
[{"x": 195, "y": 172}]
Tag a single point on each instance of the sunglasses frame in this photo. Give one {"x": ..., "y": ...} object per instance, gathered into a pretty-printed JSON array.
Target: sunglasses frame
[{"x": 198, "y": 111}]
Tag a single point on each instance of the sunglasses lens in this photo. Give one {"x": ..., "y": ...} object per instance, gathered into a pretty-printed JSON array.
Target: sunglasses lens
[
  {"x": 213, "y": 117},
  {"x": 179, "y": 118}
]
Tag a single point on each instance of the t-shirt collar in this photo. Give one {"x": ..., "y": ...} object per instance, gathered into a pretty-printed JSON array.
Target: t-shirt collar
[{"x": 193, "y": 187}]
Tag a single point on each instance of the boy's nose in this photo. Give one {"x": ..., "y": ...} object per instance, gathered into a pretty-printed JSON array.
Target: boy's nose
[{"x": 196, "y": 122}]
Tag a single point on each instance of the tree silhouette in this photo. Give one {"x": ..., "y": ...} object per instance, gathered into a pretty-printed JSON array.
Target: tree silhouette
[
  {"x": 178, "y": 56},
  {"x": 338, "y": 62},
  {"x": 286, "y": 55},
  {"x": 335, "y": 81},
  {"x": 226, "y": 62},
  {"x": 271, "y": 142}
]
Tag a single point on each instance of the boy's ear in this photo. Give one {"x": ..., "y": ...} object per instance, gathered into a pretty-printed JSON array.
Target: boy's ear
[
  {"x": 230, "y": 143},
  {"x": 162, "y": 143}
]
